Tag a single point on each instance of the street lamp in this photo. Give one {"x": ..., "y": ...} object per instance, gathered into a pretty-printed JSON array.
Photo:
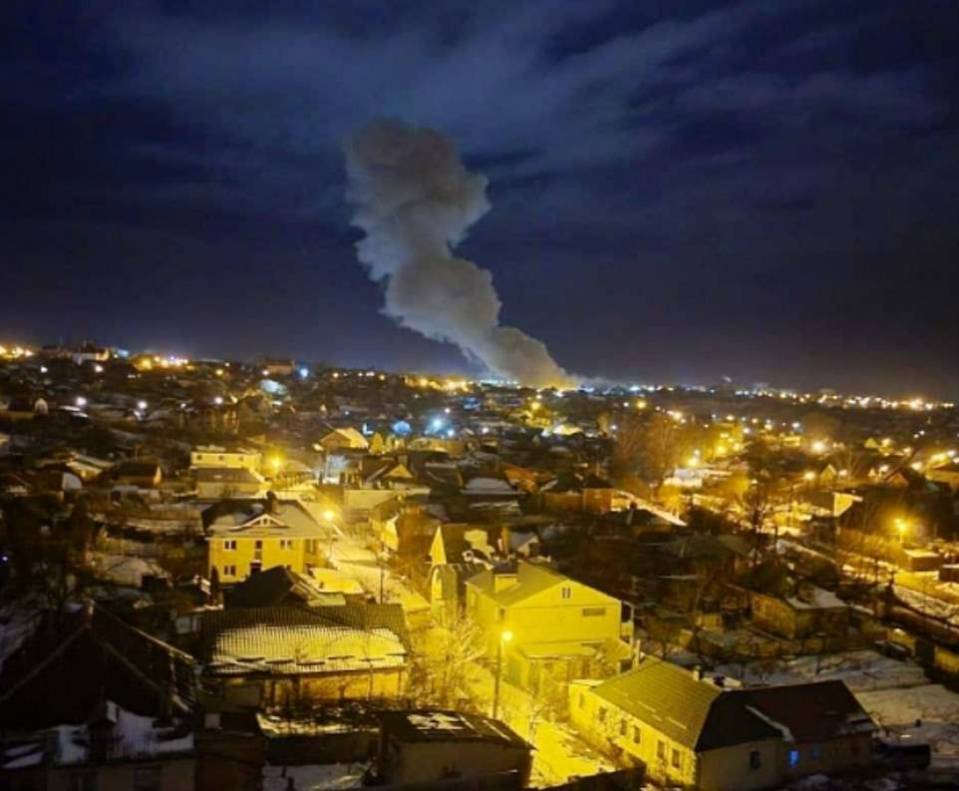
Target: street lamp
[
  {"x": 901, "y": 527},
  {"x": 505, "y": 636}
]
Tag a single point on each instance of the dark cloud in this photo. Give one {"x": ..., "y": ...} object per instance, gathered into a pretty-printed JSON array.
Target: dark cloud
[{"x": 779, "y": 175}]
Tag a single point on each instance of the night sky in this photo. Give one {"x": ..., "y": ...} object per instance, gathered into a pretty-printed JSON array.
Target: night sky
[{"x": 681, "y": 190}]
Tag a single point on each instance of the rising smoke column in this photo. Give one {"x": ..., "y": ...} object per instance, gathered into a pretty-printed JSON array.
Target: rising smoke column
[{"x": 415, "y": 200}]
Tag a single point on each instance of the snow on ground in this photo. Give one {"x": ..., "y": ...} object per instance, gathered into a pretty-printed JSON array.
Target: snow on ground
[
  {"x": 861, "y": 670},
  {"x": 349, "y": 556},
  {"x": 124, "y": 569},
  {"x": 313, "y": 777},
  {"x": 928, "y": 605},
  {"x": 929, "y": 713}
]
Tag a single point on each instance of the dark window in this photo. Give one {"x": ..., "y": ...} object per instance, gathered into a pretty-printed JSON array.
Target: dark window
[
  {"x": 637, "y": 735},
  {"x": 567, "y": 593},
  {"x": 676, "y": 760},
  {"x": 661, "y": 750},
  {"x": 582, "y": 700},
  {"x": 590, "y": 612},
  {"x": 623, "y": 726},
  {"x": 147, "y": 778},
  {"x": 602, "y": 714},
  {"x": 82, "y": 781},
  {"x": 816, "y": 753},
  {"x": 755, "y": 760}
]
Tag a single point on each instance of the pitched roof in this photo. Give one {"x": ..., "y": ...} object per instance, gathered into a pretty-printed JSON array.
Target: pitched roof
[
  {"x": 531, "y": 579},
  {"x": 274, "y": 586},
  {"x": 258, "y": 517},
  {"x": 703, "y": 716},
  {"x": 63, "y": 674},
  {"x": 811, "y": 712}
]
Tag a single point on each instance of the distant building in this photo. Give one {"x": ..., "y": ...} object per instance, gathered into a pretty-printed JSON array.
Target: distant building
[
  {"x": 214, "y": 456},
  {"x": 689, "y": 730},
  {"x": 144, "y": 473},
  {"x": 214, "y": 483},
  {"x": 343, "y": 439},
  {"x": 810, "y": 612}
]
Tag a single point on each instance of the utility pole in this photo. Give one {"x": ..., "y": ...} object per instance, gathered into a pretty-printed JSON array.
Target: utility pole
[{"x": 505, "y": 636}]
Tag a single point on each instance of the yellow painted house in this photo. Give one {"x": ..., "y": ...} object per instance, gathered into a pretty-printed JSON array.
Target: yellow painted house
[
  {"x": 247, "y": 536},
  {"x": 692, "y": 731},
  {"x": 558, "y": 628}
]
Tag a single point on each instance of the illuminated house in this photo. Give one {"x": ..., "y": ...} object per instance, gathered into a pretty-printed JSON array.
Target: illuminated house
[
  {"x": 689, "y": 730},
  {"x": 247, "y": 536},
  {"x": 214, "y": 456},
  {"x": 559, "y": 628}
]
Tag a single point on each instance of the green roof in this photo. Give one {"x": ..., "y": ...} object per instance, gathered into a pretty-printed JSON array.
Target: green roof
[{"x": 695, "y": 713}]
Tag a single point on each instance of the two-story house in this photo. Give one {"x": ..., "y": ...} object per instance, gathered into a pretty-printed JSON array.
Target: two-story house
[
  {"x": 214, "y": 456},
  {"x": 557, "y": 628},
  {"x": 247, "y": 536}
]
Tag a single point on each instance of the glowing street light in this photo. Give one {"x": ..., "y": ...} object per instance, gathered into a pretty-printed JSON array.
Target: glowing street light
[
  {"x": 505, "y": 637},
  {"x": 81, "y": 401},
  {"x": 902, "y": 527},
  {"x": 141, "y": 405},
  {"x": 329, "y": 515}
]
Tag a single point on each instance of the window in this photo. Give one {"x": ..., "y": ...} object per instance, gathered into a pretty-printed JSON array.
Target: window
[
  {"x": 147, "y": 778},
  {"x": 229, "y": 571},
  {"x": 623, "y": 727},
  {"x": 566, "y": 593},
  {"x": 582, "y": 700},
  {"x": 592, "y": 612},
  {"x": 637, "y": 735},
  {"x": 230, "y": 543},
  {"x": 661, "y": 750},
  {"x": 793, "y": 759},
  {"x": 601, "y": 716},
  {"x": 258, "y": 544},
  {"x": 816, "y": 753},
  {"x": 82, "y": 781},
  {"x": 676, "y": 758},
  {"x": 755, "y": 759}
]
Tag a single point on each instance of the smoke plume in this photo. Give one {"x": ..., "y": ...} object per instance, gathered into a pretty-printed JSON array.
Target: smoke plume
[{"x": 415, "y": 200}]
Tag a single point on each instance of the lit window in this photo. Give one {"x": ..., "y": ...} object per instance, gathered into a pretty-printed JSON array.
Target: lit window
[{"x": 793, "y": 758}]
